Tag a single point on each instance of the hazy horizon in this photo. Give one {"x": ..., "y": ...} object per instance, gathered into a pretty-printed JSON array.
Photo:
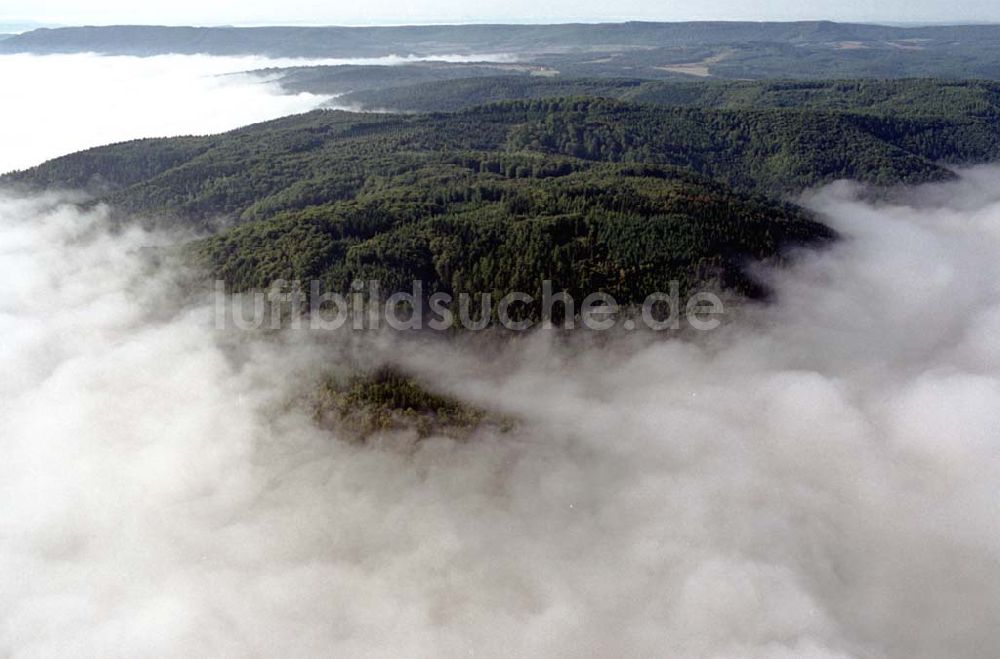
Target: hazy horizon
[
  {"x": 13, "y": 25},
  {"x": 384, "y": 12}
]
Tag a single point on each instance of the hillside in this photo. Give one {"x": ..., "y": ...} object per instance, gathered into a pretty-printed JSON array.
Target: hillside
[
  {"x": 506, "y": 225},
  {"x": 909, "y": 98},
  {"x": 244, "y": 174},
  {"x": 810, "y": 49},
  {"x": 463, "y": 202},
  {"x": 351, "y": 78},
  {"x": 592, "y": 194}
]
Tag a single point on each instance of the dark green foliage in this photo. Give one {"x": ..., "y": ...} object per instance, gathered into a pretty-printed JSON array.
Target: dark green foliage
[
  {"x": 389, "y": 389},
  {"x": 592, "y": 194},
  {"x": 770, "y": 150},
  {"x": 321, "y": 157},
  {"x": 626, "y": 230},
  {"x": 906, "y": 98},
  {"x": 106, "y": 169},
  {"x": 388, "y": 400},
  {"x": 461, "y": 94}
]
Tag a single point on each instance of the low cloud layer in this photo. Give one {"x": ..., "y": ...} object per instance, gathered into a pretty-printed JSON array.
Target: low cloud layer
[
  {"x": 57, "y": 104},
  {"x": 817, "y": 479}
]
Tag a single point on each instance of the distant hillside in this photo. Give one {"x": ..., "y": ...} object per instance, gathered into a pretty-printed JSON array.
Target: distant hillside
[
  {"x": 913, "y": 98},
  {"x": 378, "y": 41},
  {"x": 816, "y": 49},
  {"x": 350, "y": 78}
]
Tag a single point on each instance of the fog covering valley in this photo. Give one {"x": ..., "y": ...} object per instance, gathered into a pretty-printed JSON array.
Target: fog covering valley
[
  {"x": 815, "y": 479},
  {"x": 57, "y": 104}
]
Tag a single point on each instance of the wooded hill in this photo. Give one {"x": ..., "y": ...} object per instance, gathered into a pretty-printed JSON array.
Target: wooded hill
[
  {"x": 907, "y": 98},
  {"x": 594, "y": 194}
]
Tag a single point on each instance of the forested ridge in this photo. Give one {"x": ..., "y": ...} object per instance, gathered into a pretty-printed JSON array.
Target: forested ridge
[
  {"x": 594, "y": 194},
  {"x": 919, "y": 97},
  {"x": 768, "y": 150}
]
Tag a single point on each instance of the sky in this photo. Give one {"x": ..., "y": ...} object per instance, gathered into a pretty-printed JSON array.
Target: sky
[{"x": 187, "y": 12}]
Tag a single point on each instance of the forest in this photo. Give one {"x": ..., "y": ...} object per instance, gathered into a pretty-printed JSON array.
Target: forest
[
  {"x": 594, "y": 194},
  {"x": 430, "y": 88}
]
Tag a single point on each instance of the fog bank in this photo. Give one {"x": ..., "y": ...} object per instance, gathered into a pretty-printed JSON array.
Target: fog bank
[
  {"x": 58, "y": 104},
  {"x": 817, "y": 479}
]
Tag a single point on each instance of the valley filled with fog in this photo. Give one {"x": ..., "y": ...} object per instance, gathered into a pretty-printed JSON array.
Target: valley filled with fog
[
  {"x": 817, "y": 478},
  {"x": 58, "y": 104}
]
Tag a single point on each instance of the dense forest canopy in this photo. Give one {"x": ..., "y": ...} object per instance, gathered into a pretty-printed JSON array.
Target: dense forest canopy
[
  {"x": 911, "y": 97},
  {"x": 595, "y": 194},
  {"x": 244, "y": 173}
]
